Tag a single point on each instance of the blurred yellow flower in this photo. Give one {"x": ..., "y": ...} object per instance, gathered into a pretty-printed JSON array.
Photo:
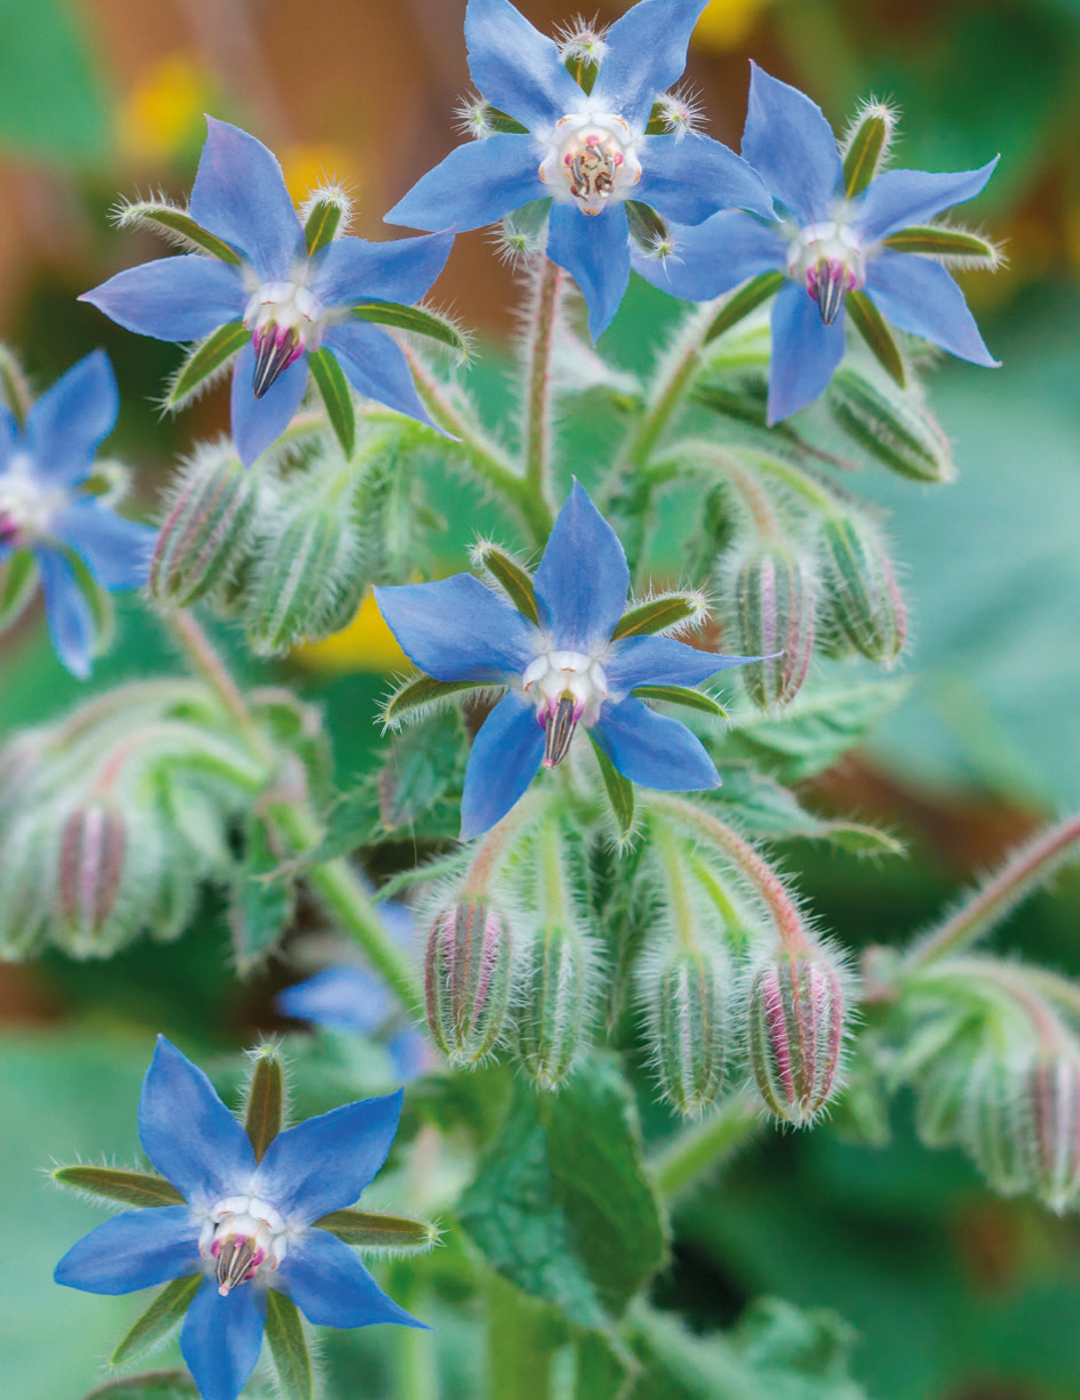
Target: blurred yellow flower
[
  {"x": 364, "y": 644},
  {"x": 308, "y": 165},
  {"x": 163, "y": 113},
  {"x": 725, "y": 24}
]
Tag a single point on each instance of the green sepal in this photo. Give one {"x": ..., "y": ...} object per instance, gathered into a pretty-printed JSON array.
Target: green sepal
[
  {"x": 366, "y": 1230},
  {"x": 620, "y": 791},
  {"x": 941, "y": 242},
  {"x": 14, "y": 388},
  {"x": 657, "y": 614},
  {"x": 870, "y": 324},
  {"x": 288, "y": 1347},
  {"x": 265, "y": 1101},
  {"x": 17, "y": 586},
  {"x": 97, "y": 599},
  {"x": 164, "y": 1312},
  {"x": 337, "y": 396},
  {"x": 322, "y": 224},
  {"x": 524, "y": 227},
  {"x": 414, "y": 319},
  {"x": 745, "y": 300},
  {"x": 647, "y": 228},
  {"x": 516, "y": 580},
  {"x": 864, "y": 153},
  {"x": 206, "y": 359},
  {"x": 113, "y": 1184},
  {"x": 423, "y": 691},
  {"x": 500, "y": 123},
  {"x": 171, "y": 1384},
  {"x": 176, "y": 221},
  {"x": 681, "y": 695}
]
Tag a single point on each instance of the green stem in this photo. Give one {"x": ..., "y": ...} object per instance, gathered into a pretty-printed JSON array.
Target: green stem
[
  {"x": 413, "y": 1355},
  {"x": 555, "y": 894},
  {"x": 547, "y": 298},
  {"x": 698, "y": 1150},
  {"x": 1016, "y": 983},
  {"x": 671, "y": 856},
  {"x": 519, "y": 1344},
  {"x": 200, "y": 651},
  {"x": 670, "y": 390}
]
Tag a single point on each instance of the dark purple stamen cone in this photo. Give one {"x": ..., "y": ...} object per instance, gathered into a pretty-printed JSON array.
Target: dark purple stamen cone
[
  {"x": 276, "y": 347},
  {"x": 796, "y": 1034},
  {"x": 467, "y": 980}
]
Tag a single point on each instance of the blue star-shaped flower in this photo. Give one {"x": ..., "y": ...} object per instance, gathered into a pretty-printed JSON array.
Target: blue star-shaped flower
[
  {"x": 292, "y": 303},
  {"x": 587, "y": 151},
  {"x": 42, "y": 509},
  {"x": 565, "y": 672},
  {"x": 826, "y": 245},
  {"x": 247, "y": 1225}
]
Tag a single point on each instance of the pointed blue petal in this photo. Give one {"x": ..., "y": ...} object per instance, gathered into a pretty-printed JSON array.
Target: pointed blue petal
[
  {"x": 515, "y": 67},
  {"x": 345, "y": 998},
  {"x": 117, "y": 551},
  {"x": 475, "y": 185},
  {"x": 66, "y": 425},
  {"x": 351, "y": 270},
  {"x": 376, "y": 367},
  {"x": 240, "y": 195},
  {"x": 714, "y": 257},
  {"x": 188, "y": 1133},
  {"x": 899, "y": 198},
  {"x": 595, "y": 250},
  {"x": 9, "y": 437},
  {"x": 222, "y": 1337},
  {"x": 135, "y": 1250},
  {"x": 177, "y": 298},
  {"x": 256, "y": 423},
  {"x": 411, "y": 1054},
  {"x": 663, "y": 661},
  {"x": 652, "y": 749},
  {"x": 71, "y": 623},
  {"x": 582, "y": 580},
  {"x": 324, "y": 1163},
  {"x": 646, "y": 54},
  {"x": 805, "y": 351},
  {"x": 687, "y": 178},
  {"x": 331, "y": 1287},
  {"x": 458, "y": 630},
  {"x": 918, "y": 295},
  {"x": 792, "y": 147},
  {"x": 503, "y": 762}
]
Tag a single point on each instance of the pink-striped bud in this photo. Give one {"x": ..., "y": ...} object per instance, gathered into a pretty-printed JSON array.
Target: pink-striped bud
[
  {"x": 92, "y": 849},
  {"x": 867, "y": 607},
  {"x": 797, "y": 1011},
  {"x": 467, "y": 979},
  {"x": 775, "y": 597},
  {"x": 1053, "y": 1093}
]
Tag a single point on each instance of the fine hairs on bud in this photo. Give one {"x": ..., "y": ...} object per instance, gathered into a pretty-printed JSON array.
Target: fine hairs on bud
[
  {"x": 680, "y": 111},
  {"x": 554, "y": 1002},
  {"x": 467, "y": 975},
  {"x": 771, "y": 593},
  {"x": 683, "y": 994},
  {"x": 880, "y": 111},
  {"x": 334, "y": 193},
  {"x": 582, "y": 41}
]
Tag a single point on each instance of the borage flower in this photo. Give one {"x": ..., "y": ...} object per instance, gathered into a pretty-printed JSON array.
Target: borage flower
[
  {"x": 565, "y": 667},
  {"x": 246, "y": 1224},
  {"x": 837, "y": 235},
  {"x": 76, "y": 540},
  {"x": 272, "y": 289},
  {"x": 586, "y": 148}
]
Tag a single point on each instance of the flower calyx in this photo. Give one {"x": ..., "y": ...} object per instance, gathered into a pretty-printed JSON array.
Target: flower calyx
[{"x": 594, "y": 157}]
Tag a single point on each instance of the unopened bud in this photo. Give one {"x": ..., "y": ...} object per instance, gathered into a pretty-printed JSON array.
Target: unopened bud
[
  {"x": 554, "y": 996},
  {"x": 92, "y": 848},
  {"x": 27, "y": 848},
  {"x": 684, "y": 996},
  {"x": 797, "y": 1011},
  {"x": 467, "y": 979},
  {"x": 774, "y": 597},
  {"x": 891, "y": 424},
  {"x": 997, "y": 1125},
  {"x": 207, "y": 531},
  {"x": 1053, "y": 1095},
  {"x": 865, "y": 601}
]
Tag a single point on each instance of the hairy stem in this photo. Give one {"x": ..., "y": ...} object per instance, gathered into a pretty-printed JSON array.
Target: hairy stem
[
  {"x": 200, "y": 651},
  {"x": 699, "y": 1149},
  {"x": 544, "y": 317}
]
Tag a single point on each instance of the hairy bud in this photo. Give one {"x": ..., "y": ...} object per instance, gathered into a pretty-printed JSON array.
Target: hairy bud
[
  {"x": 208, "y": 529},
  {"x": 865, "y": 602},
  {"x": 797, "y": 1012},
  {"x": 997, "y": 1124},
  {"x": 92, "y": 848},
  {"x": 467, "y": 979},
  {"x": 683, "y": 992},
  {"x": 774, "y": 595},
  {"x": 555, "y": 1005},
  {"x": 892, "y": 425},
  {"x": 1053, "y": 1093}
]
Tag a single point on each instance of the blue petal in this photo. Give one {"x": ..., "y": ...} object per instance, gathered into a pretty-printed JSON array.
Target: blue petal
[
  {"x": 515, "y": 67},
  {"x": 9, "y": 437},
  {"x": 646, "y": 54},
  {"x": 714, "y": 257},
  {"x": 663, "y": 661},
  {"x": 324, "y": 1163},
  {"x": 179, "y": 298},
  {"x": 66, "y": 425},
  {"x": 116, "y": 550},
  {"x": 410, "y": 1053},
  {"x": 652, "y": 749},
  {"x": 805, "y": 351},
  {"x": 582, "y": 580},
  {"x": 918, "y": 295},
  {"x": 458, "y": 630},
  {"x": 331, "y": 1287},
  {"x": 256, "y": 423},
  {"x": 595, "y": 250},
  {"x": 135, "y": 1250},
  {"x": 899, "y": 198},
  {"x": 352, "y": 269},
  {"x": 71, "y": 623},
  {"x": 345, "y": 998},
  {"x": 188, "y": 1133},
  {"x": 376, "y": 367},
  {"x": 240, "y": 195},
  {"x": 222, "y": 1337},
  {"x": 687, "y": 178},
  {"x": 792, "y": 147},
  {"x": 503, "y": 762},
  {"x": 475, "y": 185}
]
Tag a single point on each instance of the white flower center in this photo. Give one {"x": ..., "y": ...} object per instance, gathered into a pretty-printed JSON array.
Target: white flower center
[
  {"x": 241, "y": 1234},
  {"x": 285, "y": 319},
  {"x": 27, "y": 505},
  {"x": 829, "y": 259},
  {"x": 568, "y": 687},
  {"x": 590, "y": 159}
]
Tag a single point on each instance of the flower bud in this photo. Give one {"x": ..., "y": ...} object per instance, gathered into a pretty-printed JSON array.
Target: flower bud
[
  {"x": 1052, "y": 1092},
  {"x": 774, "y": 596},
  {"x": 797, "y": 1011},
  {"x": 555, "y": 1004},
  {"x": 997, "y": 1125},
  {"x": 864, "y": 599},
  {"x": 92, "y": 847},
  {"x": 27, "y": 845},
  {"x": 207, "y": 531},
  {"x": 467, "y": 979},
  {"x": 684, "y": 998},
  {"x": 891, "y": 425}
]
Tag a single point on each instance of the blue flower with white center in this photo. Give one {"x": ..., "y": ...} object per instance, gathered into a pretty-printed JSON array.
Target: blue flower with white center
[
  {"x": 826, "y": 245},
  {"x": 42, "y": 509},
  {"x": 565, "y": 672},
  {"x": 264, "y": 279},
  {"x": 247, "y": 1225},
  {"x": 588, "y": 151}
]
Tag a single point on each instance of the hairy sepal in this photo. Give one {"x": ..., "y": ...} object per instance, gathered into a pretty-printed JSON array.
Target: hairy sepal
[
  {"x": 175, "y": 225},
  {"x": 417, "y": 320}
]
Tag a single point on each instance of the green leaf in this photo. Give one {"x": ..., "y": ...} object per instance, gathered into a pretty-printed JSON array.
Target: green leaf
[
  {"x": 18, "y": 583},
  {"x": 943, "y": 243},
  {"x": 499, "y": 122},
  {"x": 620, "y": 790},
  {"x": 14, "y": 389},
  {"x": 133, "y": 1188},
  {"x": 864, "y": 152},
  {"x": 265, "y": 1101},
  {"x": 412, "y": 318},
  {"x": 261, "y": 907},
  {"x": 681, "y": 695},
  {"x": 52, "y": 103},
  {"x": 416, "y": 694},
  {"x": 657, "y": 614},
  {"x": 422, "y": 762},
  {"x": 205, "y": 360},
  {"x": 367, "y": 1230},
  {"x": 529, "y": 1333},
  {"x": 647, "y": 228},
  {"x": 322, "y": 223},
  {"x": 767, "y": 811},
  {"x": 166, "y": 1310},
  {"x": 337, "y": 396},
  {"x": 740, "y": 304},
  {"x": 516, "y": 580},
  {"x": 172, "y": 1384},
  {"x": 288, "y": 1347},
  {"x": 561, "y": 1205},
  {"x": 600, "y": 1372},
  {"x": 870, "y": 324},
  {"x": 178, "y": 223}
]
